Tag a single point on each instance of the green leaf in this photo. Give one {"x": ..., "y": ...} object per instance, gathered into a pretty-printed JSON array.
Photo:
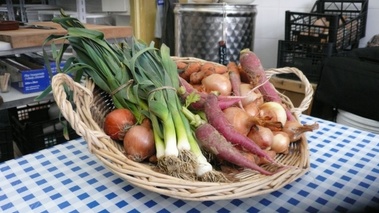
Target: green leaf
[{"x": 170, "y": 66}]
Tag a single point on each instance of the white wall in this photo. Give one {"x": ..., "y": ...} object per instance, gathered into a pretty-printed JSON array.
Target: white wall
[{"x": 270, "y": 25}]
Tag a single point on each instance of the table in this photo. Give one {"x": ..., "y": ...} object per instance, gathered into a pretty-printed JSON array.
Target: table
[{"x": 344, "y": 177}]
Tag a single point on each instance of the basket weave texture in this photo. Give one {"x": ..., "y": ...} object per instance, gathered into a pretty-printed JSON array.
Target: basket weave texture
[{"x": 91, "y": 106}]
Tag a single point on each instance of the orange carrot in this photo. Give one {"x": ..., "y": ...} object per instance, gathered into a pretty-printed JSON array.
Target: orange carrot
[
  {"x": 180, "y": 65},
  {"x": 233, "y": 67},
  {"x": 196, "y": 77},
  {"x": 191, "y": 67},
  {"x": 208, "y": 68}
]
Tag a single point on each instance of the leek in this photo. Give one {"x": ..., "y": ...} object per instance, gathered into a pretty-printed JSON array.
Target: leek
[{"x": 149, "y": 81}]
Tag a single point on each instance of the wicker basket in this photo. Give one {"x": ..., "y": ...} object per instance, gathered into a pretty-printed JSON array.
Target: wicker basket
[{"x": 91, "y": 106}]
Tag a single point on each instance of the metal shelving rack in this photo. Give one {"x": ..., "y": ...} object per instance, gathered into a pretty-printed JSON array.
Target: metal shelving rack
[
  {"x": 11, "y": 15},
  {"x": 80, "y": 9}
]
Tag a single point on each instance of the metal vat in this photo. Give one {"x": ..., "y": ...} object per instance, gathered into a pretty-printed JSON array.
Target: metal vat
[{"x": 200, "y": 27}]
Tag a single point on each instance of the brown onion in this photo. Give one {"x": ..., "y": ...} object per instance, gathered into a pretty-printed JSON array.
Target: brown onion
[
  {"x": 252, "y": 108},
  {"x": 251, "y": 95},
  {"x": 217, "y": 82},
  {"x": 280, "y": 142},
  {"x": 262, "y": 160},
  {"x": 139, "y": 143},
  {"x": 273, "y": 111},
  {"x": 239, "y": 119},
  {"x": 262, "y": 136},
  {"x": 117, "y": 122}
]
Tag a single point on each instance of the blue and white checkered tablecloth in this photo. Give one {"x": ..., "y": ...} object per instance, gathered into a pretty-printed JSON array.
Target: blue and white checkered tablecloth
[{"x": 344, "y": 177}]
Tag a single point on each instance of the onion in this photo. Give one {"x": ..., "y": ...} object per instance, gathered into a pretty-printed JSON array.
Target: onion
[
  {"x": 242, "y": 121},
  {"x": 117, "y": 122},
  {"x": 146, "y": 123},
  {"x": 259, "y": 160},
  {"x": 295, "y": 129},
  {"x": 280, "y": 142},
  {"x": 239, "y": 119},
  {"x": 217, "y": 82},
  {"x": 273, "y": 111},
  {"x": 252, "y": 108},
  {"x": 262, "y": 136},
  {"x": 262, "y": 160},
  {"x": 251, "y": 95},
  {"x": 139, "y": 143}
]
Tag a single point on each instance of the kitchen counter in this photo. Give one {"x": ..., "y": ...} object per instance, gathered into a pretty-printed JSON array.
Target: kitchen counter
[{"x": 67, "y": 178}]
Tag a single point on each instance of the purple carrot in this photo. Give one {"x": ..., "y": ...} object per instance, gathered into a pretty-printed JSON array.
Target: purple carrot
[
  {"x": 228, "y": 101},
  {"x": 223, "y": 101},
  {"x": 216, "y": 118},
  {"x": 255, "y": 72},
  {"x": 236, "y": 82},
  {"x": 211, "y": 140},
  {"x": 235, "y": 78}
]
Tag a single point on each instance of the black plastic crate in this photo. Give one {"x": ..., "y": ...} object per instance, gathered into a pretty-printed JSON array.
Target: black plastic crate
[
  {"x": 349, "y": 9},
  {"x": 6, "y": 144},
  {"x": 307, "y": 57},
  {"x": 342, "y": 22},
  {"x": 33, "y": 129}
]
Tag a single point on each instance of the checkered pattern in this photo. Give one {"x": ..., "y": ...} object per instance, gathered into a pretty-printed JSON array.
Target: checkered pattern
[{"x": 67, "y": 178}]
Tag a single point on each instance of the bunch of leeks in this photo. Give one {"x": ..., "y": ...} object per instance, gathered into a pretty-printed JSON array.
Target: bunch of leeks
[{"x": 143, "y": 79}]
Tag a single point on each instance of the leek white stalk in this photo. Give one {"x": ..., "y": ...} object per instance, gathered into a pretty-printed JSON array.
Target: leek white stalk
[{"x": 170, "y": 138}]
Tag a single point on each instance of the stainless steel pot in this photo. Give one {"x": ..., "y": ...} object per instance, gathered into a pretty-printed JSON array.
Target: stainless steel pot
[{"x": 200, "y": 27}]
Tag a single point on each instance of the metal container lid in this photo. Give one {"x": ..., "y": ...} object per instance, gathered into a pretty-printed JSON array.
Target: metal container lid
[{"x": 216, "y": 8}]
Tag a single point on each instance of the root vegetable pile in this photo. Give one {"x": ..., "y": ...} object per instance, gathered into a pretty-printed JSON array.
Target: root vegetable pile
[{"x": 188, "y": 118}]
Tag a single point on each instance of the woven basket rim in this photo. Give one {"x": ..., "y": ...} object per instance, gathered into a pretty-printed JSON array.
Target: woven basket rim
[{"x": 141, "y": 175}]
